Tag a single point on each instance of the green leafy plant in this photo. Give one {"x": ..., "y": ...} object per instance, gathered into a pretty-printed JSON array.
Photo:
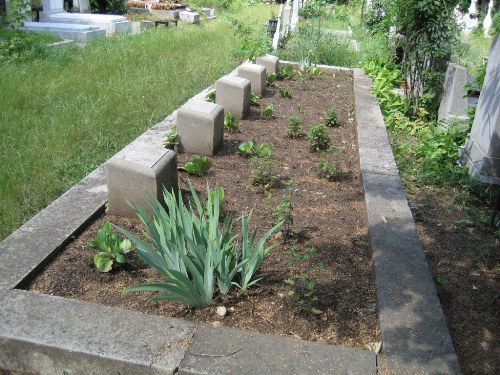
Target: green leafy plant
[
  {"x": 230, "y": 122},
  {"x": 294, "y": 128},
  {"x": 287, "y": 72},
  {"x": 187, "y": 246},
  {"x": 286, "y": 93},
  {"x": 211, "y": 96},
  {"x": 319, "y": 139},
  {"x": 171, "y": 138},
  {"x": 111, "y": 248},
  {"x": 267, "y": 112},
  {"x": 264, "y": 150},
  {"x": 271, "y": 79},
  {"x": 247, "y": 148},
  {"x": 328, "y": 170},
  {"x": 264, "y": 172},
  {"x": 331, "y": 117},
  {"x": 198, "y": 165},
  {"x": 284, "y": 211},
  {"x": 254, "y": 100}
]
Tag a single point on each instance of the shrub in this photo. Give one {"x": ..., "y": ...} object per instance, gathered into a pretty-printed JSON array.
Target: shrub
[
  {"x": 294, "y": 128},
  {"x": 264, "y": 172},
  {"x": 331, "y": 117},
  {"x": 108, "y": 6},
  {"x": 318, "y": 137},
  {"x": 328, "y": 170}
]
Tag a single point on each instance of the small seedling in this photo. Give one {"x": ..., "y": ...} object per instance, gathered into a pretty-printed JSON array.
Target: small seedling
[
  {"x": 319, "y": 139},
  {"x": 267, "y": 112},
  {"x": 264, "y": 150},
  {"x": 285, "y": 93},
  {"x": 230, "y": 122},
  {"x": 287, "y": 72},
  {"x": 246, "y": 148},
  {"x": 112, "y": 248},
  {"x": 210, "y": 96},
  {"x": 198, "y": 165},
  {"x": 328, "y": 170},
  {"x": 171, "y": 138},
  {"x": 331, "y": 117},
  {"x": 294, "y": 129},
  {"x": 254, "y": 100},
  {"x": 271, "y": 79},
  {"x": 284, "y": 211}
]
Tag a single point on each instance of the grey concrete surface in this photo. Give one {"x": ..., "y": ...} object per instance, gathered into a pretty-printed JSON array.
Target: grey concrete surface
[
  {"x": 233, "y": 94},
  {"x": 256, "y": 74},
  {"x": 270, "y": 62},
  {"x": 226, "y": 351}
]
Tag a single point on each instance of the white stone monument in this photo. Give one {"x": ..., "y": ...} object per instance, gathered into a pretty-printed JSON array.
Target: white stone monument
[
  {"x": 488, "y": 19},
  {"x": 482, "y": 149},
  {"x": 471, "y": 20}
]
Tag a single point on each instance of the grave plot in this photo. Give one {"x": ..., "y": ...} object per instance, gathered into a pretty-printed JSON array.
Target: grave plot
[{"x": 317, "y": 284}]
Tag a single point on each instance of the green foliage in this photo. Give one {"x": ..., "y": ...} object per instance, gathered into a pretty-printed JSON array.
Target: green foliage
[
  {"x": 312, "y": 9},
  {"x": 108, "y": 6},
  {"x": 331, "y": 117},
  {"x": 267, "y": 112},
  {"x": 171, "y": 138},
  {"x": 294, "y": 128},
  {"x": 264, "y": 172},
  {"x": 211, "y": 96},
  {"x": 20, "y": 46},
  {"x": 230, "y": 122},
  {"x": 247, "y": 148},
  {"x": 286, "y": 93},
  {"x": 111, "y": 248},
  {"x": 495, "y": 24},
  {"x": 287, "y": 72},
  {"x": 284, "y": 211},
  {"x": 319, "y": 139},
  {"x": 188, "y": 248},
  {"x": 17, "y": 13},
  {"x": 328, "y": 169},
  {"x": 254, "y": 99},
  {"x": 271, "y": 79},
  {"x": 198, "y": 165}
]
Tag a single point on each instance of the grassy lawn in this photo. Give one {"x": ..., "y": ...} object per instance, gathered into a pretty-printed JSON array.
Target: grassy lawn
[{"x": 69, "y": 110}]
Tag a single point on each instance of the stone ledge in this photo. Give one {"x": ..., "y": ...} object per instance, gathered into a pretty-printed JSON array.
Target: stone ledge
[{"x": 227, "y": 351}]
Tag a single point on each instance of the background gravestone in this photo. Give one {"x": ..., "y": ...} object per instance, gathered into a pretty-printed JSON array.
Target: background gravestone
[
  {"x": 453, "y": 102},
  {"x": 482, "y": 150}
]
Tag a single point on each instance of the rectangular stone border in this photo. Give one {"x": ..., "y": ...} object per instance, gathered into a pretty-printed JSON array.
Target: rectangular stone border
[{"x": 47, "y": 334}]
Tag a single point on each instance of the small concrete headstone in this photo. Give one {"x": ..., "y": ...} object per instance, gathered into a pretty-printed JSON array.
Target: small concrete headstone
[
  {"x": 270, "y": 62},
  {"x": 256, "y": 74},
  {"x": 200, "y": 127},
  {"x": 191, "y": 17},
  {"x": 482, "y": 150},
  {"x": 453, "y": 102},
  {"x": 142, "y": 170},
  {"x": 233, "y": 94},
  {"x": 208, "y": 12}
]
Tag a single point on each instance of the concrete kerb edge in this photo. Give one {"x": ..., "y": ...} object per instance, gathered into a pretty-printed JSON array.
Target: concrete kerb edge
[
  {"x": 414, "y": 332},
  {"x": 6, "y": 286}
]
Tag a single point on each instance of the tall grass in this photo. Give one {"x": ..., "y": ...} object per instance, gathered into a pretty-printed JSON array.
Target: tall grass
[{"x": 66, "y": 113}]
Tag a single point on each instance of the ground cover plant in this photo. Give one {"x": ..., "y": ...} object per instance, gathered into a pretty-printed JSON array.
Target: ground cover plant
[
  {"x": 67, "y": 110},
  {"x": 316, "y": 283}
]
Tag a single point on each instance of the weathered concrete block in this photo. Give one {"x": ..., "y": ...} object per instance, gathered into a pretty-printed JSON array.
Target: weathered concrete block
[
  {"x": 208, "y": 12},
  {"x": 256, "y": 74},
  {"x": 132, "y": 176},
  {"x": 200, "y": 127},
  {"x": 191, "y": 17},
  {"x": 270, "y": 62},
  {"x": 233, "y": 94},
  {"x": 453, "y": 102}
]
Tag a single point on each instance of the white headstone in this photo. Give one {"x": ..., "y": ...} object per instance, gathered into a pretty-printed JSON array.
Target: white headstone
[
  {"x": 488, "y": 19},
  {"x": 53, "y": 6},
  {"x": 471, "y": 20},
  {"x": 482, "y": 150}
]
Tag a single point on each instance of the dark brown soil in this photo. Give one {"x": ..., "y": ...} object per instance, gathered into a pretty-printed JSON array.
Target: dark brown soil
[
  {"x": 464, "y": 258},
  {"x": 318, "y": 285}
]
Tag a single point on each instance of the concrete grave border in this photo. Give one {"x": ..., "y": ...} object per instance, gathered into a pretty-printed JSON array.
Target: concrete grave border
[{"x": 47, "y": 334}]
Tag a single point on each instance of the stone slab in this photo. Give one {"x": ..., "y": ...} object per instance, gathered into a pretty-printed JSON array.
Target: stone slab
[
  {"x": 111, "y": 23},
  {"x": 191, "y": 17},
  {"x": 256, "y": 353},
  {"x": 77, "y": 32},
  {"x": 482, "y": 150},
  {"x": 24, "y": 250},
  {"x": 453, "y": 101},
  {"x": 414, "y": 333},
  {"x": 270, "y": 62},
  {"x": 48, "y": 335}
]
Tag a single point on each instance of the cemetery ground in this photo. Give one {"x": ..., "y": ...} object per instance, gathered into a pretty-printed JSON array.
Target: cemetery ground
[{"x": 317, "y": 284}]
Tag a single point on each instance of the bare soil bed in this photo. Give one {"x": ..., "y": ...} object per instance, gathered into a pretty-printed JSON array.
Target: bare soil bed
[{"x": 319, "y": 284}]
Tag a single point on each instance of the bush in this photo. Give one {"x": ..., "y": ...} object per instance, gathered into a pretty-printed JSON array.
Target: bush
[
  {"x": 331, "y": 117},
  {"x": 319, "y": 139},
  {"x": 294, "y": 129},
  {"x": 108, "y": 6}
]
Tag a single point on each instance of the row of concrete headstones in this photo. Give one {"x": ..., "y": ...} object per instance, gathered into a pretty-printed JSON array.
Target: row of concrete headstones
[
  {"x": 147, "y": 168},
  {"x": 481, "y": 152}
]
